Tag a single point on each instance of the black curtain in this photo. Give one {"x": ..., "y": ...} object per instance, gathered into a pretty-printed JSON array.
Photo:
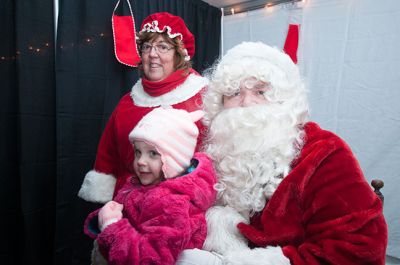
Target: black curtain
[
  {"x": 28, "y": 147},
  {"x": 54, "y": 111}
]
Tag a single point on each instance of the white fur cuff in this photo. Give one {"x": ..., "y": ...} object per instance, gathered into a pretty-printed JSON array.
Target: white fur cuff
[
  {"x": 97, "y": 187},
  {"x": 107, "y": 223},
  {"x": 257, "y": 256},
  {"x": 222, "y": 233}
]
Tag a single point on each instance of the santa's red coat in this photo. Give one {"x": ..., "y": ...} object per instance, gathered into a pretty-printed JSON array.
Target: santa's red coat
[{"x": 324, "y": 211}]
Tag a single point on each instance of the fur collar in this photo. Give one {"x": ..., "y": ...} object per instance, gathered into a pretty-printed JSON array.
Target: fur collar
[{"x": 192, "y": 85}]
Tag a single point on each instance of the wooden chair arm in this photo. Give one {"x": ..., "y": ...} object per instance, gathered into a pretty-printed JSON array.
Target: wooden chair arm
[{"x": 378, "y": 184}]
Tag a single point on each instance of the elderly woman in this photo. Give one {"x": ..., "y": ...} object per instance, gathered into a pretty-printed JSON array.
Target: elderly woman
[{"x": 166, "y": 47}]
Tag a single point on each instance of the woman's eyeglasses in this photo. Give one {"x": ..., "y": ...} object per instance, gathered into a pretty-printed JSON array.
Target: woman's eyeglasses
[{"x": 159, "y": 48}]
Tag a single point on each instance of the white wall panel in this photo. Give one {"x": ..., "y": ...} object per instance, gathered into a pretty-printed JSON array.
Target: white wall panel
[{"x": 350, "y": 57}]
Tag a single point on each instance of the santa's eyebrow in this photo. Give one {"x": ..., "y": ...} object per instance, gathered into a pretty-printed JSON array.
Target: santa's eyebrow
[{"x": 265, "y": 86}]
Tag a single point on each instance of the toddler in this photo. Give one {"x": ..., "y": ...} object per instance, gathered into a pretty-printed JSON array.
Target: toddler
[{"x": 161, "y": 210}]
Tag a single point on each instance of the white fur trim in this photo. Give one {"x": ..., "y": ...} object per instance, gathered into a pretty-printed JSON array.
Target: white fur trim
[
  {"x": 192, "y": 85},
  {"x": 97, "y": 187},
  {"x": 257, "y": 256},
  {"x": 222, "y": 232},
  {"x": 108, "y": 222},
  {"x": 153, "y": 27}
]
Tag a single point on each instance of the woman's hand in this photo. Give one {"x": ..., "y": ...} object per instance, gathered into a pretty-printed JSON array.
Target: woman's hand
[{"x": 110, "y": 213}]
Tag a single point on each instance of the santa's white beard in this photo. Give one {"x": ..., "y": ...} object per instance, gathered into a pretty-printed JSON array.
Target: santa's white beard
[{"x": 252, "y": 149}]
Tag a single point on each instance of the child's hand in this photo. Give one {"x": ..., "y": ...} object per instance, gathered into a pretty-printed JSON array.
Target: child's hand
[{"x": 110, "y": 213}]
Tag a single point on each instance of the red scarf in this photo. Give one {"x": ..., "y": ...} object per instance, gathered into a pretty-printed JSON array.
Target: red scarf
[{"x": 158, "y": 88}]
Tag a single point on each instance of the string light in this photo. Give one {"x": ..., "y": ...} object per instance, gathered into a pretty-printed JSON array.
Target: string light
[
  {"x": 42, "y": 48},
  {"x": 247, "y": 6}
]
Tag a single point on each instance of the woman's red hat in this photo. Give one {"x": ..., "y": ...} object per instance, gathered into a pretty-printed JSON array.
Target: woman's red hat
[
  {"x": 173, "y": 25},
  {"x": 124, "y": 33}
]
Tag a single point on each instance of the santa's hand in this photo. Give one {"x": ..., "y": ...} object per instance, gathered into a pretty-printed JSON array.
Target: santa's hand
[
  {"x": 222, "y": 233},
  {"x": 110, "y": 213}
]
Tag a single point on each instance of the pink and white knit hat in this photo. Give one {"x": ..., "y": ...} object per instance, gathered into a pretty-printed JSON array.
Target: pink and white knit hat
[{"x": 173, "y": 133}]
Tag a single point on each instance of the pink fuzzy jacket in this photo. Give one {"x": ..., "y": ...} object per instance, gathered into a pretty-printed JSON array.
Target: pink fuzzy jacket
[{"x": 160, "y": 221}]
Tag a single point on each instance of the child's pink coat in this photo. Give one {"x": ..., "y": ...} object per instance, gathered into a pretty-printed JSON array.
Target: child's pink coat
[{"x": 159, "y": 221}]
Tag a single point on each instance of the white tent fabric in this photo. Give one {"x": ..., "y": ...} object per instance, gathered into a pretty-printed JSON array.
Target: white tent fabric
[{"x": 350, "y": 57}]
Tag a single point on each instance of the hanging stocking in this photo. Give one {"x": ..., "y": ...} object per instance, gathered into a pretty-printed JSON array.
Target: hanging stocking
[{"x": 123, "y": 24}]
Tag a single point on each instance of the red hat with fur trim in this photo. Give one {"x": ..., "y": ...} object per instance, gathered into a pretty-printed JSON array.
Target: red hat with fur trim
[{"x": 174, "y": 26}]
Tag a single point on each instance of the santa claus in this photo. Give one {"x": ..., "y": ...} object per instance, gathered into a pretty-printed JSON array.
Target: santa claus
[{"x": 289, "y": 192}]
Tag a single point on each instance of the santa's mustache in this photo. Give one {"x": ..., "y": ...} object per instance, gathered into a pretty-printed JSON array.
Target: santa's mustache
[{"x": 248, "y": 129}]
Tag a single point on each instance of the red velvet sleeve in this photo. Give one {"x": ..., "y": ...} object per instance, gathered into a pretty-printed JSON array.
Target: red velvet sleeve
[
  {"x": 324, "y": 211},
  {"x": 107, "y": 157},
  {"x": 343, "y": 219},
  {"x": 99, "y": 183}
]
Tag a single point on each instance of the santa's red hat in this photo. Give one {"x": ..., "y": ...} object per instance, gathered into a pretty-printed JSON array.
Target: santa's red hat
[
  {"x": 174, "y": 26},
  {"x": 292, "y": 42}
]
